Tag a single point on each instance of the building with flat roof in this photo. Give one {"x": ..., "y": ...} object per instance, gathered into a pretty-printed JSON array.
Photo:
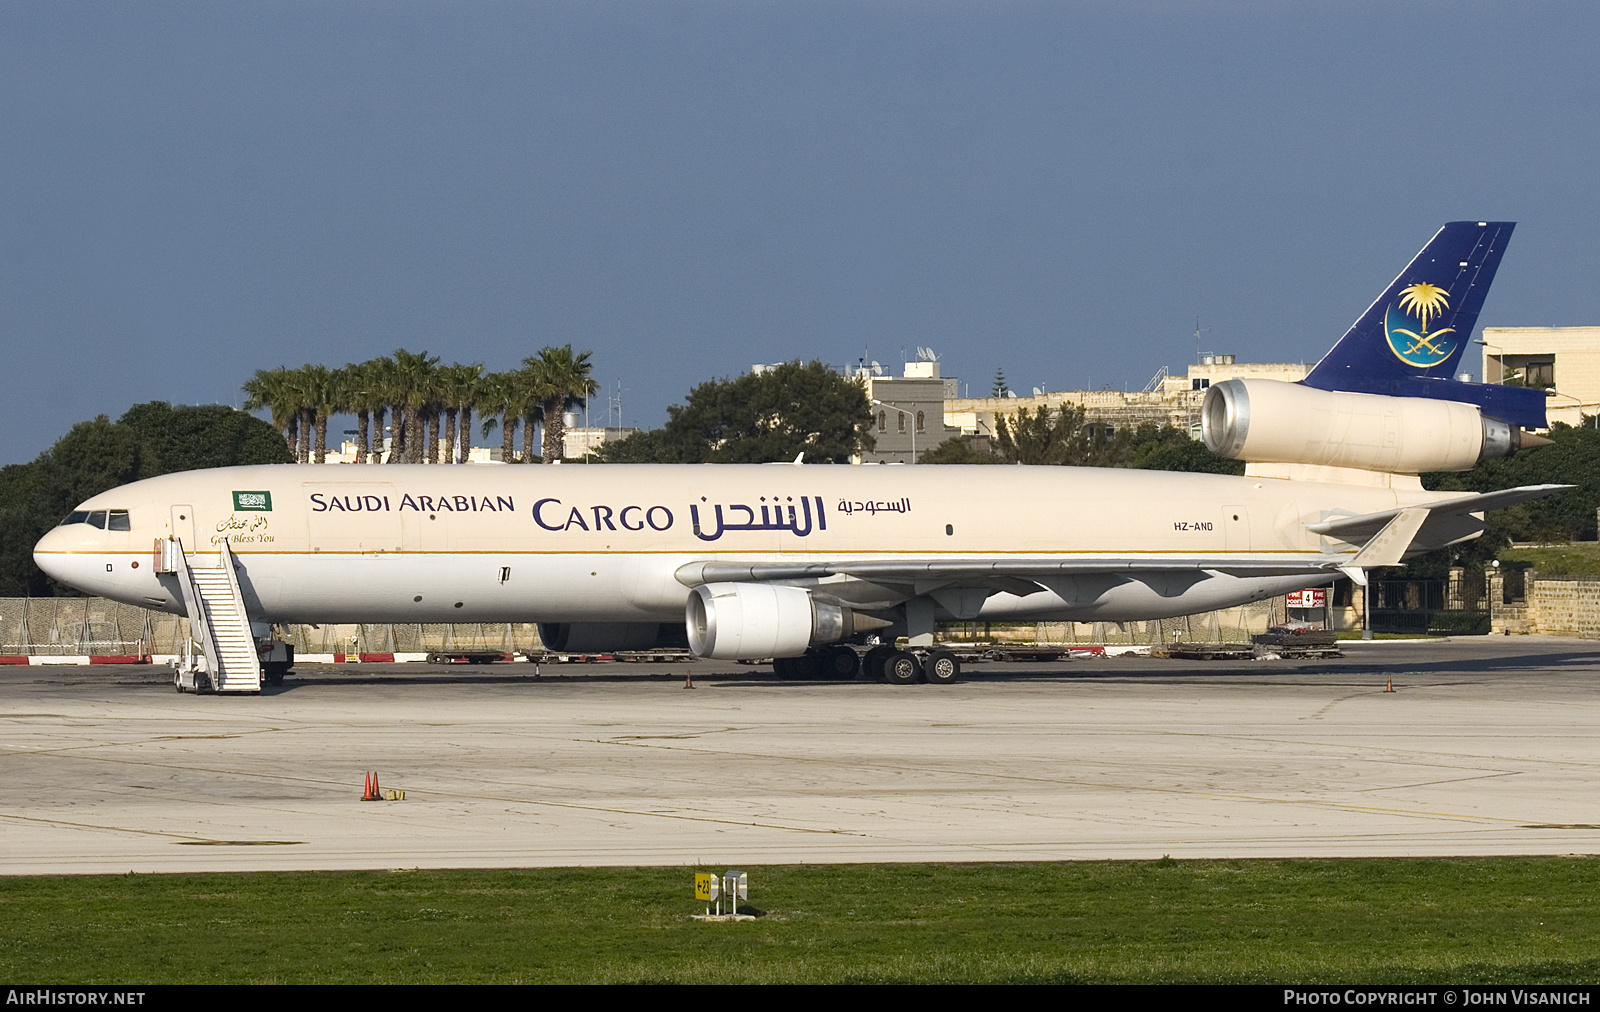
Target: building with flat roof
[
  {"x": 1563, "y": 361},
  {"x": 911, "y": 412},
  {"x": 1165, "y": 400}
]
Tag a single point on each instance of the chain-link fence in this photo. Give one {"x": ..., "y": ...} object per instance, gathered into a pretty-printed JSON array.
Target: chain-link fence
[
  {"x": 73, "y": 626},
  {"x": 92, "y": 625},
  {"x": 1230, "y": 625}
]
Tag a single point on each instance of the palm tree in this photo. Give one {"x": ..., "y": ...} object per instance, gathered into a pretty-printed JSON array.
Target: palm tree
[
  {"x": 326, "y": 396},
  {"x": 562, "y": 382},
  {"x": 368, "y": 399},
  {"x": 458, "y": 388},
  {"x": 270, "y": 389},
  {"x": 300, "y": 395},
  {"x": 501, "y": 395},
  {"x": 413, "y": 378}
]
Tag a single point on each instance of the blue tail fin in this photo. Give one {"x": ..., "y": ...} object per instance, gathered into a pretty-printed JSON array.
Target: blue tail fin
[{"x": 1409, "y": 342}]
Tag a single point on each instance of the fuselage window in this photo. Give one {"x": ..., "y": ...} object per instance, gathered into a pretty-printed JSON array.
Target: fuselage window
[{"x": 119, "y": 521}]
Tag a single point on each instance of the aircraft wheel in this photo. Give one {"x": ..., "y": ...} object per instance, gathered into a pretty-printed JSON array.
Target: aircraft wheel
[
  {"x": 902, "y": 668},
  {"x": 872, "y": 665},
  {"x": 941, "y": 668},
  {"x": 840, "y": 663}
]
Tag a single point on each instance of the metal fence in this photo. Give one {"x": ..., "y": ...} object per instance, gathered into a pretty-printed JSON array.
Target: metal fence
[
  {"x": 1421, "y": 607},
  {"x": 72, "y": 626},
  {"x": 91, "y": 625}
]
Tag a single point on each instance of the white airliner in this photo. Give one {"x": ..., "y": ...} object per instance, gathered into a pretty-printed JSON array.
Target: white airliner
[{"x": 784, "y": 561}]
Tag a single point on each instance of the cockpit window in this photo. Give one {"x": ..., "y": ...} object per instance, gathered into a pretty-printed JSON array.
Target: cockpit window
[{"x": 116, "y": 520}]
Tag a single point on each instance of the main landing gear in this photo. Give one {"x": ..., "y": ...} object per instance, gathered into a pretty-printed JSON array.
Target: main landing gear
[{"x": 881, "y": 663}]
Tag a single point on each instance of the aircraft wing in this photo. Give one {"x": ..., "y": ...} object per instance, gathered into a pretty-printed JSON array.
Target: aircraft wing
[
  {"x": 1410, "y": 529},
  {"x": 928, "y": 570}
]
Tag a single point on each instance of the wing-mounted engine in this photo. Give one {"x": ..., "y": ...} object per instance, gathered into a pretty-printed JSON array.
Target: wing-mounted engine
[
  {"x": 1266, "y": 421},
  {"x": 752, "y": 621}
]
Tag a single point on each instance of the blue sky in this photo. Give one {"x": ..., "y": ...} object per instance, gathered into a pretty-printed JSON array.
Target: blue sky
[{"x": 195, "y": 191}]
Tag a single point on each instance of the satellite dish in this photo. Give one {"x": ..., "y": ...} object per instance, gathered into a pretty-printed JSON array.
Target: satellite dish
[{"x": 1037, "y": 392}]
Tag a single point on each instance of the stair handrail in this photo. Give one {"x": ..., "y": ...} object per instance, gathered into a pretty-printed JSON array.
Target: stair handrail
[
  {"x": 227, "y": 560},
  {"x": 195, "y": 608}
]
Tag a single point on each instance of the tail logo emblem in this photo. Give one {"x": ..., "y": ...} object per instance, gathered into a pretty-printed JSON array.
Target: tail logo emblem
[{"x": 1419, "y": 305}]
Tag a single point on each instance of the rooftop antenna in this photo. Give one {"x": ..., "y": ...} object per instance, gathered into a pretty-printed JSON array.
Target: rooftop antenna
[
  {"x": 614, "y": 404},
  {"x": 1197, "y": 333}
]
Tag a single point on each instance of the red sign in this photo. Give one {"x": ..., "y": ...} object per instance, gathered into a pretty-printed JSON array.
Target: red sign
[{"x": 1317, "y": 597}]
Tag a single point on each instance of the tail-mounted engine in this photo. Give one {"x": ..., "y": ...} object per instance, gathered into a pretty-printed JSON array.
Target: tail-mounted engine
[{"x": 1266, "y": 421}]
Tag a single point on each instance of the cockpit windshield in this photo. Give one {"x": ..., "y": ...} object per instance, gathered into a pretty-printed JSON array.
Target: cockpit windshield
[{"x": 116, "y": 520}]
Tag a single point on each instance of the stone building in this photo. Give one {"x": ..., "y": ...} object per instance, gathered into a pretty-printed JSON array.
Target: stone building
[
  {"x": 911, "y": 412},
  {"x": 1563, "y": 361},
  {"x": 1165, "y": 400}
]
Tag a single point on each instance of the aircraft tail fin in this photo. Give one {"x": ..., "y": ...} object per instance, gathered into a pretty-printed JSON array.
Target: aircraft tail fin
[{"x": 1409, "y": 342}]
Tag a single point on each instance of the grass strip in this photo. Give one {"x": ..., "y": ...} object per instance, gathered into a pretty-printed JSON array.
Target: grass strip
[{"x": 1481, "y": 920}]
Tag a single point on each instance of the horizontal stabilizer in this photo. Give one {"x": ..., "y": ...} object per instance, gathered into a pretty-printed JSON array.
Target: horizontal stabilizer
[{"x": 1360, "y": 529}]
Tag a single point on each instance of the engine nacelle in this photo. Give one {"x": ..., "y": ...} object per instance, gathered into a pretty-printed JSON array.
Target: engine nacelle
[
  {"x": 752, "y": 621},
  {"x": 1267, "y": 421},
  {"x": 607, "y": 637}
]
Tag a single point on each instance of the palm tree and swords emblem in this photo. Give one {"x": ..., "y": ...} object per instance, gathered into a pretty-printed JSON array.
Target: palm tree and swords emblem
[{"x": 1421, "y": 348}]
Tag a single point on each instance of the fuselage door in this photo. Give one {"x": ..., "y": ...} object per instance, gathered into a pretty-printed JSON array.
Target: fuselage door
[
  {"x": 183, "y": 527},
  {"x": 1236, "y": 528}
]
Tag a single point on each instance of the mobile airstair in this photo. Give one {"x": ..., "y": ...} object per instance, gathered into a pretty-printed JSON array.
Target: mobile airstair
[{"x": 218, "y": 623}]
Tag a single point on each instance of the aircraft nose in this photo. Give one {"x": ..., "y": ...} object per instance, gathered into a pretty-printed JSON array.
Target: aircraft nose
[{"x": 48, "y": 553}]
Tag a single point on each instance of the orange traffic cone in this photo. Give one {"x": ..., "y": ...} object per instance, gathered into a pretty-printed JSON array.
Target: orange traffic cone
[
  {"x": 688, "y": 680},
  {"x": 372, "y": 793},
  {"x": 1389, "y": 684}
]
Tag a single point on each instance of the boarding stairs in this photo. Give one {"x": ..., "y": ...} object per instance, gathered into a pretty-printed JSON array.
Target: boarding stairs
[{"x": 218, "y": 622}]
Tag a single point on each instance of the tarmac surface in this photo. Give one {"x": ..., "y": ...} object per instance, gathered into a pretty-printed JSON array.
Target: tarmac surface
[{"x": 1485, "y": 746}]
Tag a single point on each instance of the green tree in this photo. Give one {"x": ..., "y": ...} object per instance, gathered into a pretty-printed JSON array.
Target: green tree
[
  {"x": 192, "y": 438},
  {"x": 758, "y": 418},
  {"x": 560, "y": 380},
  {"x": 460, "y": 386},
  {"x": 960, "y": 450},
  {"x": 1043, "y": 436}
]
